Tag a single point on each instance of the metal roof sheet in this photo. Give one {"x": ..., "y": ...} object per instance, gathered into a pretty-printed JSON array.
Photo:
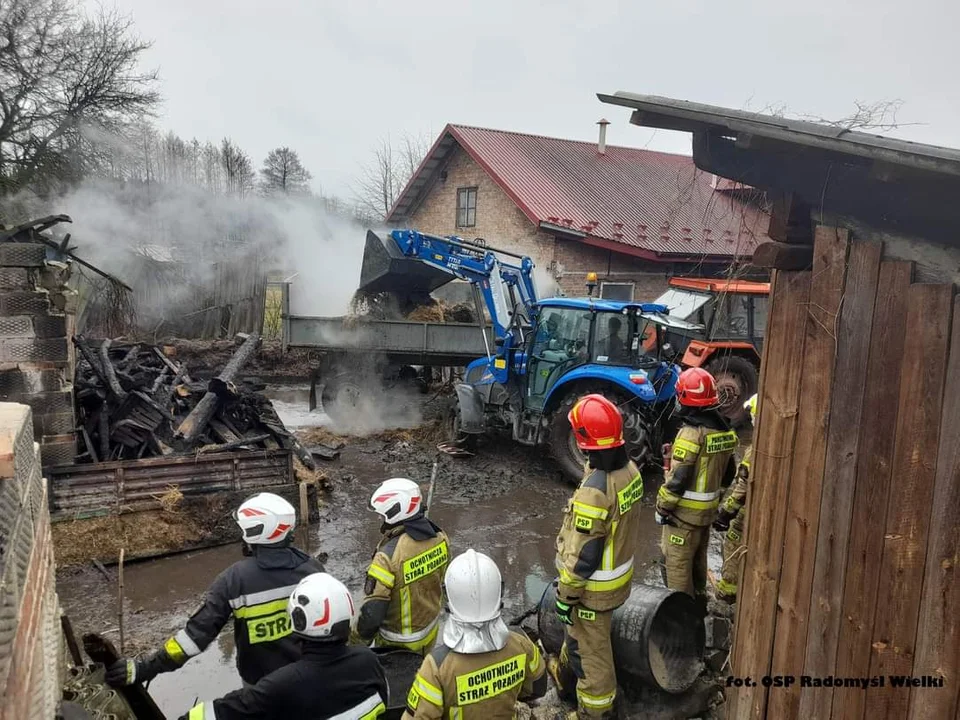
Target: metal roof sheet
[
  {"x": 656, "y": 111},
  {"x": 650, "y": 203}
]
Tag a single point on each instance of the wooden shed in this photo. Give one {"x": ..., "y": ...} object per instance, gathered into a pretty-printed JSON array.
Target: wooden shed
[{"x": 850, "y": 576}]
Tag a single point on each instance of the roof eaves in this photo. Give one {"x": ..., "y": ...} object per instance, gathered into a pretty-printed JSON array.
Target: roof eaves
[
  {"x": 668, "y": 113},
  {"x": 479, "y": 159},
  {"x": 418, "y": 180}
]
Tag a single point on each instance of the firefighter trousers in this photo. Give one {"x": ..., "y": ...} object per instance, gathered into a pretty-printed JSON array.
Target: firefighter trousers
[
  {"x": 733, "y": 551},
  {"x": 588, "y": 652},
  {"x": 685, "y": 558}
]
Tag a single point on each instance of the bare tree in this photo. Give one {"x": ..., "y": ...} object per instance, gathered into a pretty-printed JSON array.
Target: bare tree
[
  {"x": 237, "y": 168},
  {"x": 283, "y": 173},
  {"x": 60, "y": 71},
  {"x": 383, "y": 178}
]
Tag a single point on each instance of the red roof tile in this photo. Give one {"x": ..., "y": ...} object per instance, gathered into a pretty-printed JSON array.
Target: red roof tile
[{"x": 650, "y": 203}]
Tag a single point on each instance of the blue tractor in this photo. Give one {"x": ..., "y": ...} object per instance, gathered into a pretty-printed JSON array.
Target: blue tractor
[{"x": 545, "y": 353}]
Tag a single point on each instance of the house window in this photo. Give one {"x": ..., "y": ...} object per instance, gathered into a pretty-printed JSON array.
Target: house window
[
  {"x": 466, "y": 207},
  {"x": 620, "y": 292}
]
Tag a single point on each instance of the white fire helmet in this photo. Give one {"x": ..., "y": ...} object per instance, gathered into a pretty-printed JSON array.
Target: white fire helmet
[
  {"x": 321, "y": 607},
  {"x": 396, "y": 500},
  {"x": 265, "y": 519},
  {"x": 474, "y": 588}
]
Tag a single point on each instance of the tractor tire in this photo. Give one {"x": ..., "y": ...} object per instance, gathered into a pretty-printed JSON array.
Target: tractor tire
[
  {"x": 737, "y": 379},
  {"x": 561, "y": 441},
  {"x": 342, "y": 397},
  {"x": 563, "y": 444},
  {"x": 451, "y": 424}
]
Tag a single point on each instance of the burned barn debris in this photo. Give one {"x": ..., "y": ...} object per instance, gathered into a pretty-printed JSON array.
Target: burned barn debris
[{"x": 133, "y": 401}]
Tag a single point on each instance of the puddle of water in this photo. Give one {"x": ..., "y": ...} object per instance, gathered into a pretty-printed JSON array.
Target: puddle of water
[{"x": 292, "y": 403}]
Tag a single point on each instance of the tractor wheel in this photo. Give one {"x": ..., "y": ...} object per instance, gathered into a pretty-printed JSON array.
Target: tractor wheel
[
  {"x": 342, "y": 398},
  {"x": 451, "y": 425},
  {"x": 737, "y": 380},
  {"x": 563, "y": 444}
]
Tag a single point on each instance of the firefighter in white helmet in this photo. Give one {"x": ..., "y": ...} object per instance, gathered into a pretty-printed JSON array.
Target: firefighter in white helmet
[
  {"x": 331, "y": 679},
  {"x": 480, "y": 668},
  {"x": 404, "y": 585},
  {"x": 253, "y": 591}
]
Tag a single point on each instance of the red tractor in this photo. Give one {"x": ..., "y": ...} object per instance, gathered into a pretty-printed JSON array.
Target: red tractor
[{"x": 733, "y": 314}]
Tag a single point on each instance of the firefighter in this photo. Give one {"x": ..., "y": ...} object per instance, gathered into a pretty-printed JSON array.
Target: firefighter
[
  {"x": 595, "y": 550},
  {"x": 732, "y": 519},
  {"x": 331, "y": 679},
  {"x": 253, "y": 590},
  {"x": 703, "y": 461},
  {"x": 480, "y": 668},
  {"x": 404, "y": 585}
]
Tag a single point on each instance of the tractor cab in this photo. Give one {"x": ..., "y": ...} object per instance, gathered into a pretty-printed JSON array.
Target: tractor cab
[
  {"x": 732, "y": 318},
  {"x": 621, "y": 341}
]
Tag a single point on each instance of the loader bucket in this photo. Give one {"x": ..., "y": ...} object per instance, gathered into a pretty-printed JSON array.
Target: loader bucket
[{"x": 386, "y": 270}]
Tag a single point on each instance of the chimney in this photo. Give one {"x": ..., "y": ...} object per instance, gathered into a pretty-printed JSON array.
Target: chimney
[{"x": 602, "y": 144}]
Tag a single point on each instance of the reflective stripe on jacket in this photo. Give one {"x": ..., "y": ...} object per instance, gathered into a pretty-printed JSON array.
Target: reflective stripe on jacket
[
  {"x": 407, "y": 572},
  {"x": 329, "y": 682},
  {"x": 702, "y": 457},
  {"x": 254, "y": 591},
  {"x": 598, "y": 538},
  {"x": 483, "y": 686}
]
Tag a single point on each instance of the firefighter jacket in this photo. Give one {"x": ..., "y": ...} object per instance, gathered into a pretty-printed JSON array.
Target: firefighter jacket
[
  {"x": 738, "y": 492},
  {"x": 404, "y": 586},
  {"x": 598, "y": 538},
  {"x": 703, "y": 460},
  {"x": 328, "y": 681},
  {"x": 254, "y": 592},
  {"x": 480, "y": 686}
]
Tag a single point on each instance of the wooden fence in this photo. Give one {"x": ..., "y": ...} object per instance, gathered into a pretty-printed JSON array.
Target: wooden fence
[
  {"x": 81, "y": 491},
  {"x": 853, "y": 531}
]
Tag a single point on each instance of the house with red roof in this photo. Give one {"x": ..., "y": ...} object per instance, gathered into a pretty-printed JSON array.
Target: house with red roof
[{"x": 635, "y": 217}]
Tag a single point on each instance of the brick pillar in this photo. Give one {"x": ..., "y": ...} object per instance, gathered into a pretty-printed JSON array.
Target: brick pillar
[{"x": 36, "y": 355}]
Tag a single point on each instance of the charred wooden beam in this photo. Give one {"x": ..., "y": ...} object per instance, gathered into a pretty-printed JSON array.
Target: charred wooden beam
[
  {"x": 109, "y": 372},
  {"x": 102, "y": 651},
  {"x": 195, "y": 423}
]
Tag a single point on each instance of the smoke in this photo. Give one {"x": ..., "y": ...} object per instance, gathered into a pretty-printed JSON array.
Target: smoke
[{"x": 177, "y": 238}]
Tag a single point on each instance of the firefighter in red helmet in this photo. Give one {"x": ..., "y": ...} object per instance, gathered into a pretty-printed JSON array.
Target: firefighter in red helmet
[
  {"x": 703, "y": 462},
  {"x": 595, "y": 550}
]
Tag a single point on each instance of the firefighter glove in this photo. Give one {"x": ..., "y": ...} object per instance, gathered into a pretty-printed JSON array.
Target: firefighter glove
[
  {"x": 722, "y": 523},
  {"x": 564, "y": 612},
  {"x": 664, "y": 518},
  {"x": 122, "y": 672}
]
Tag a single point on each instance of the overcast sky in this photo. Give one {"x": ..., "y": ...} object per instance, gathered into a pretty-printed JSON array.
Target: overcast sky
[{"x": 330, "y": 78}]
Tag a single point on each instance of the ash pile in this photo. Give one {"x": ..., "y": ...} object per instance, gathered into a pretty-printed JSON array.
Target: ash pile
[{"x": 135, "y": 402}]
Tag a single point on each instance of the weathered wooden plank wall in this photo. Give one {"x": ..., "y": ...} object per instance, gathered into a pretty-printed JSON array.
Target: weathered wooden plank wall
[
  {"x": 79, "y": 491},
  {"x": 837, "y": 494},
  {"x": 938, "y": 646},
  {"x": 877, "y": 435},
  {"x": 773, "y": 455},
  {"x": 855, "y": 495},
  {"x": 803, "y": 501},
  {"x": 929, "y": 310}
]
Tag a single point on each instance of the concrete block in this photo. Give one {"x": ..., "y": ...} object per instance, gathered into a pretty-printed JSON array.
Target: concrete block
[
  {"x": 46, "y": 403},
  {"x": 50, "y": 326},
  {"x": 22, "y": 255},
  {"x": 59, "y": 452},
  {"x": 16, "y": 279},
  {"x": 24, "y": 303},
  {"x": 58, "y": 424},
  {"x": 33, "y": 349},
  {"x": 717, "y": 632},
  {"x": 23, "y": 379},
  {"x": 16, "y": 326}
]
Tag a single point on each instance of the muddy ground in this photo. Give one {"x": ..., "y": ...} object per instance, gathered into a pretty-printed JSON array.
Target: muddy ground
[{"x": 506, "y": 501}]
